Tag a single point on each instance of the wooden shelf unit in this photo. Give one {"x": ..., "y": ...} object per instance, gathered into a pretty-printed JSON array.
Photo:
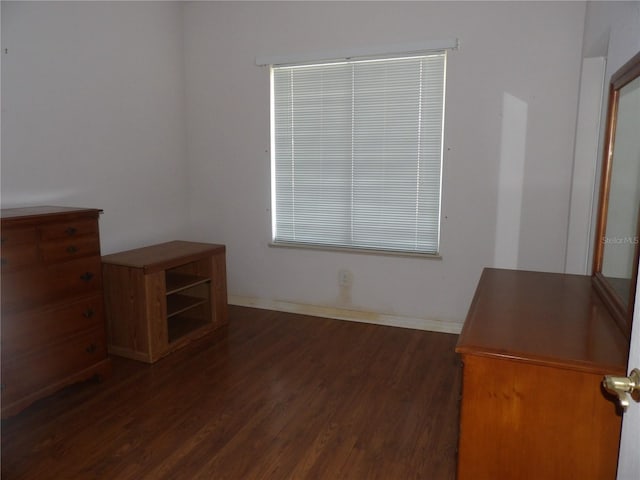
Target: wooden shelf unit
[{"x": 161, "y": 297}]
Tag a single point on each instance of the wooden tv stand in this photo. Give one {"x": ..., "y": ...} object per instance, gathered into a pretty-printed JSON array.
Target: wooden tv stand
[{"x": 161, "y": 297}]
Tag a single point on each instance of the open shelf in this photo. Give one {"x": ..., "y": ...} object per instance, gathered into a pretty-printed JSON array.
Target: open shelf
[
  {"x": 181, "y": 326},
  {"x": 176, "y": 282},
  {"x": 176, "y": 303},
  {"x": 188, "y": 293}
]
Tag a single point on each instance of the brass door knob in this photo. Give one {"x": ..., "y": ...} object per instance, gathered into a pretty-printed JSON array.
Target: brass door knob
[{"x": 625, "y": 388}]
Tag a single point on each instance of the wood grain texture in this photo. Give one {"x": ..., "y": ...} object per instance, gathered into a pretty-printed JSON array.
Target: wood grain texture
[
  {"x": 40, "y": 213},
  {"x": 127, "y": 326},
  {"x": 545, "y": 318},
  {"x": 219, "y": 294},
  {"x": 34, "y": 329},
  {"x": 270, "y": 396},
  {"x": 163, "y": 256},
  {"x": 530, "y": 422},
  {"x": 156, "y": 314},
  {"x": 53, "y": 330},
  {"x": 43, "y": 285},
  {"x": 535, "y": 347},
  {"x": 143, "y": 315}
]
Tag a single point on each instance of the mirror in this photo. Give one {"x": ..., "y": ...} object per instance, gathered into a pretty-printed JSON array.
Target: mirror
[{"x": 616, "y": 249}]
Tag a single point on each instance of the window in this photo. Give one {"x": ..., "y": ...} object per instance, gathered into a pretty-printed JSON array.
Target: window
[{"x": 357, "y": 153}]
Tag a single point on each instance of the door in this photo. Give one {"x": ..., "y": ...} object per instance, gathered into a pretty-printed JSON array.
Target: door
[{"x": 629, "y": 456}]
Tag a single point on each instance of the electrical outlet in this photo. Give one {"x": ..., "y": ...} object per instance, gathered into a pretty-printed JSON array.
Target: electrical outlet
[{"x": 345, "y": 278}]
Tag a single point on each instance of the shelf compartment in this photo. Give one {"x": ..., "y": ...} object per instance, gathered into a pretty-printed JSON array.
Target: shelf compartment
[
  {"x": 176, "y": 282},
  {"x": 177, "y": 303},
  {"x": 185, "y": 325}
]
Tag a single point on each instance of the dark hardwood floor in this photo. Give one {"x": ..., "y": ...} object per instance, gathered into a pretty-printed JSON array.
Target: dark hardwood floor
[{"x": 272, "y": 396}]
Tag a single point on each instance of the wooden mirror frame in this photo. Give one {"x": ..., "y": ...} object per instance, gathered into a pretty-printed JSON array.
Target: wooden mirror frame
[{"x": 621, "y": 309}]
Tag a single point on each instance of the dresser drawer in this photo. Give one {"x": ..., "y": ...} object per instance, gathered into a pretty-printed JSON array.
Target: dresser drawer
[
  {"x": 37, "y": 286},
  {"x": 47, "y": 366},
  {"x": 16, "y": 257},
  {"x": 26, "y": 332},
  {"x": 70, "y": 248},
  {"x": 69, "y": 229},
  {"x": 10, "y": 237},
  {"x": 18, "y": 248}
]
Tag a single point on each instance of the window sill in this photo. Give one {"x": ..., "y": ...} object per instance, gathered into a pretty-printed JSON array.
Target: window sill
[{"x": 365, "y": 251}]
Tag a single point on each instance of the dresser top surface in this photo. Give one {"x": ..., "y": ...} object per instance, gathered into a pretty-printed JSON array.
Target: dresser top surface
[
  {"x": 42, "y": 212},
  {"x": 544, "y": 318}
]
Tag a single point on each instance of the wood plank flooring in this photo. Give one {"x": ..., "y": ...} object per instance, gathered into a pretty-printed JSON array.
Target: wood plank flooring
[{"x": 272, "y": 396}]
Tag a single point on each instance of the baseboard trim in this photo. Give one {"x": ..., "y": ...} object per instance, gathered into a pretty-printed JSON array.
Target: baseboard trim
[{"x": 433, "y": 325}]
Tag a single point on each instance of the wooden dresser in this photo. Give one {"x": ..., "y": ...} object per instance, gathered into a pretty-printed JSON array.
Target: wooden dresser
[
  {"x": 53, "y": 329},
  {"x": 534, "y": 348}
]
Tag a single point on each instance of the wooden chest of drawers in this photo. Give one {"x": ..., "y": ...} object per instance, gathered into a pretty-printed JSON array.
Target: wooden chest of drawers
[
  {"x": 535, "y": 347},
  {"x": 53, "y": 330}
]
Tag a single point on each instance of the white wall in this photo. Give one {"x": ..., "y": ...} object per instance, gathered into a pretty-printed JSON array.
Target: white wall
[
  {"x": 612, "y": 30},
  {"x": 530, "y": 52},
  {"x": 580, "y": 229},
  {"x": 156, "y": 112},
  {"x": 93, "y": 114}
]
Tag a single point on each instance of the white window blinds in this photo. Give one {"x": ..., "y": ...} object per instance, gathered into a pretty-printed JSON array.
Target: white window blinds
[{"x": 357, "y": 153}]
